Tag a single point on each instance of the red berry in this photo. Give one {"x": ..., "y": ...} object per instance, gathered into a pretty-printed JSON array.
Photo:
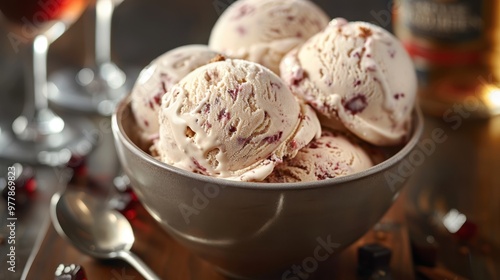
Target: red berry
[
  {"x": 133, "y": 196},
  {"x": 466, "y": 231},
  {"x": 127, "y": 199},
  {"x": 30, "y": 185},
  {"x": 130, "y": 214},
  {"x": 128, "y": 205},
  {"x": 78, "y": 164},
  {"x": 22, "y": 187}
]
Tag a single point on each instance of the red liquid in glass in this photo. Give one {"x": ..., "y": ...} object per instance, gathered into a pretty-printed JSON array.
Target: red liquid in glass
[{"x": 37, "y": 12}]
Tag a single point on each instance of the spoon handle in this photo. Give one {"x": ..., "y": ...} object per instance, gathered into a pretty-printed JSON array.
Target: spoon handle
[{"x": 138, "y": 264}]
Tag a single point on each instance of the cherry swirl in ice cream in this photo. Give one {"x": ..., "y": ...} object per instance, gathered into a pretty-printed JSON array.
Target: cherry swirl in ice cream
[
  {"x": 233, "y": 119},
  {"x": 158, "y": 77},
  {"x": 263, "y": 31},
  {"x": 331, "y": 156},
  {"x": 358, "y": 77}
]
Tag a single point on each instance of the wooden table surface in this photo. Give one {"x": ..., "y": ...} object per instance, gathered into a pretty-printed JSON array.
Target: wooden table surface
[{"x": 172, "y": 261}]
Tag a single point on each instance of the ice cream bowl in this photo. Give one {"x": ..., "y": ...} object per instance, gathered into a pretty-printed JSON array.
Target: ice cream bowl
[{"x": 262, "y": 230}]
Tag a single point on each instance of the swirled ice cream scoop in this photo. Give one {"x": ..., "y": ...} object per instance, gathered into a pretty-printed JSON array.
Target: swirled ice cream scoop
[
  {"x": 330, "y": 156},
  {"x": 263, "y": 31},
  {"x": 233, "y": 119},
  {"x": 357, "y": 76},
  {"x": 158, "y": 77}
]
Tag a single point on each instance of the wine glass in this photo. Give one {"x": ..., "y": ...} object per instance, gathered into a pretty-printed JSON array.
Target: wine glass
[
  {"x": 39, "y": 135},
  {"x": 98, "y": 88}
]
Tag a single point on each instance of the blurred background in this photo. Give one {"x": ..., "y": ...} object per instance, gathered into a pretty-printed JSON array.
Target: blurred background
[{"x": 142, "y": 30}]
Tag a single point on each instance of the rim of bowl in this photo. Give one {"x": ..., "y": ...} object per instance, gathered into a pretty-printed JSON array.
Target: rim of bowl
[{"x": 417, "y": 123}]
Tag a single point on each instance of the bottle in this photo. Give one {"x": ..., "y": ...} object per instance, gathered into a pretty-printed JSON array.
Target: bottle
[
  {"x": 456, "y": 54},
  {"x": 452, "y": 199}
]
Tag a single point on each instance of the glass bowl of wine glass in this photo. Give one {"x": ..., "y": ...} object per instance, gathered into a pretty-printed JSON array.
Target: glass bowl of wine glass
[{"x": 38, "y": 135}]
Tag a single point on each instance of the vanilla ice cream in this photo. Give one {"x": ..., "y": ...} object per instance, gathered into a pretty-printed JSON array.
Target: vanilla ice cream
[
  {"x": 263, "y": 31},
  {"x": 357, "y": 76},
  {"x": 157, "y": 78},
  {"x": 233, "y": 119},
  {"x": 330, "y": 156}
]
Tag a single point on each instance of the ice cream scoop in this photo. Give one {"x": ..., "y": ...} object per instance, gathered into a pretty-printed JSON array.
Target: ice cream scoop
[
  {"x": 263, "y": 31},
  {"x": 330, "y": 156},
  {"x": 357, "y": 76},
  {"x": 158, "y": 77},
  {"x": 233, "y": 119}
]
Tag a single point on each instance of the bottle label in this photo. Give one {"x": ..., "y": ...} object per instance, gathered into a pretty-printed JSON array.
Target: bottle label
[{"x": 444, "y": 20}]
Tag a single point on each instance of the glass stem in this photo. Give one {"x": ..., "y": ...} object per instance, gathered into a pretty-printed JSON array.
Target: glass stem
[
  {"x": 29, "y": 82},
  {"x": 40, "y": 51},
  {"x": 104, "y": 14},
  {"x": 108, "y": 72},
  {"x": 36, "y": 120}
]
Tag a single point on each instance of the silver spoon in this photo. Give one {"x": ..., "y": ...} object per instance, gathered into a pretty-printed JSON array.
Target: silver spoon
[{"x": 94, "y": 229}]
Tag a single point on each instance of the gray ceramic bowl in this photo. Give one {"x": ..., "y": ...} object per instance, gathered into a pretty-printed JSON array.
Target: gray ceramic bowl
[{"x": 259, "y": 230}]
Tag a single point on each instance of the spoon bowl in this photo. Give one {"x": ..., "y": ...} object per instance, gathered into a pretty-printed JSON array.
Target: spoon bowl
[{"x": 95, "y": 229}]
